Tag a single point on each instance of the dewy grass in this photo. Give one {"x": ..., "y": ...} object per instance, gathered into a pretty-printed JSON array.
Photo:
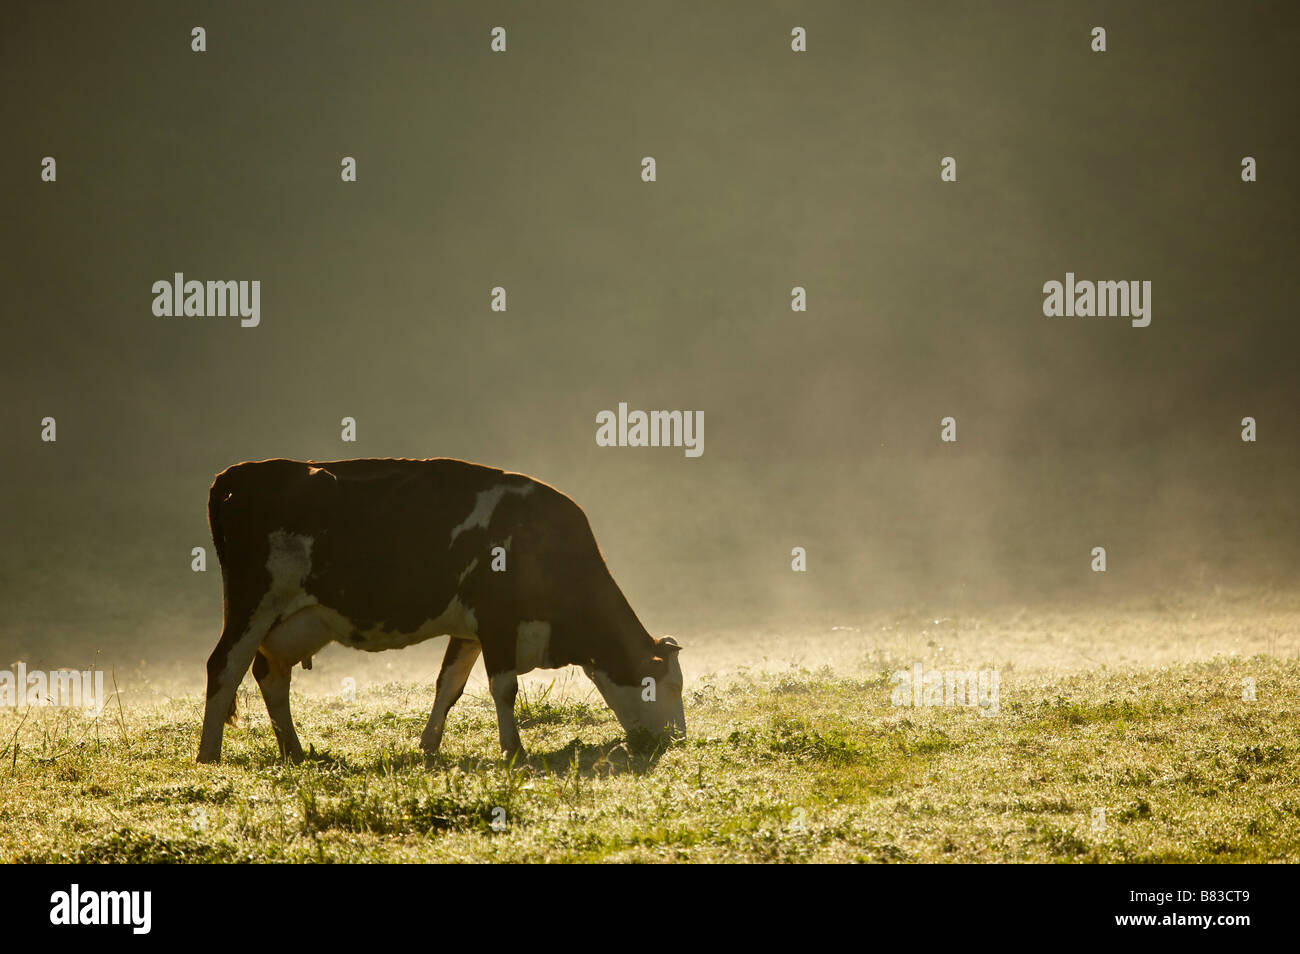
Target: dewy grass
[{"x": 1163, "y": 764}]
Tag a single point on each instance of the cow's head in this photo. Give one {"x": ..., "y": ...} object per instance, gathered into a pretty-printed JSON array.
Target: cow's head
[{"x": 651, "y": 702}]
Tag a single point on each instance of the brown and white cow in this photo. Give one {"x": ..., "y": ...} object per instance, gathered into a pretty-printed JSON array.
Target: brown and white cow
[{"x": 380, "y": 554}]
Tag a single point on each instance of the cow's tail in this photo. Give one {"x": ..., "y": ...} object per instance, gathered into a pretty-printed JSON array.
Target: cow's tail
[{"x": 216, "y": 501}]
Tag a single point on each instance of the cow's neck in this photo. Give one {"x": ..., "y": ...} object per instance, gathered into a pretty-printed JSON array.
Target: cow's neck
[{"x": 625, "y": 643}]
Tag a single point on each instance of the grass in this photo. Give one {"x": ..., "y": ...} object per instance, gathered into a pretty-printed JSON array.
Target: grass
[{"x": 797, "y": 765}]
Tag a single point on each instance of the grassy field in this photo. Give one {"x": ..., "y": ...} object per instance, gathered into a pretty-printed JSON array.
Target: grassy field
[{"x": 795, "y": 753}]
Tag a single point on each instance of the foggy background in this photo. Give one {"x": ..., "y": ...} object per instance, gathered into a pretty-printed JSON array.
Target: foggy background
[{"x": 775, "y": 169}]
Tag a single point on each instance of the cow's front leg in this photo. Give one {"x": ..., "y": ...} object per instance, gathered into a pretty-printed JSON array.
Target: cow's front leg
[
  {"x": 505, "y": 686},
  {"x": 456, "y": 665}
]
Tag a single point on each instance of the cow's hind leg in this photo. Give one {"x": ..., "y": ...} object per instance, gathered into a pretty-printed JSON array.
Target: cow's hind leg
[
  {"x": 456, "y": 665},
  {"x": 274, "y": 680},
  {"x": 291, "y": 642},
  {"x": 227, "y": 667}
]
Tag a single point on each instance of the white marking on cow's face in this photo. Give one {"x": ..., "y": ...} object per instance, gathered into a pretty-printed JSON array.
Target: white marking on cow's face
[
  {"x": 485, "y": 503},
  {"x": 663, "y": 716},
  {"x": 532, "y": 645}
]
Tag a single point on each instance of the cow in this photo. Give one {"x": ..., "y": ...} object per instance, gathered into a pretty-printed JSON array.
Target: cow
[{"x": 383, "y": 553}]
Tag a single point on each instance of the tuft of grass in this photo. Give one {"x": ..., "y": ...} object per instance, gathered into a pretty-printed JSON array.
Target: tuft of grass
[
  {"x": 543, "y": 708},
  {"x": 126, "y": 846}
]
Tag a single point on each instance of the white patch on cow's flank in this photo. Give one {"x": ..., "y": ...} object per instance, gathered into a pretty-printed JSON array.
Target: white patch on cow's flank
[
  {"x": 485, "y": 503},
  {"x": 288, "y": 560},
  {"x": 532, "y": 645},
  {"x": 456, "y": 620},
  {"x": 282, "y": 610}
]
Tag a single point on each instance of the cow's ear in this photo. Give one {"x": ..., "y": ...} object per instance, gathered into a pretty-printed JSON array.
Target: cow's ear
[{"x": 668, "y": 646}]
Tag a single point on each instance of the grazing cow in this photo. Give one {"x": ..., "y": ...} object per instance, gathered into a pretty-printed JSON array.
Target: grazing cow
[{"x": 380, "y": 554}]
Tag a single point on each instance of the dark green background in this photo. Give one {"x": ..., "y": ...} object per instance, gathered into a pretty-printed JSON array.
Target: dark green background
[{"x": 775, "y": 169}]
